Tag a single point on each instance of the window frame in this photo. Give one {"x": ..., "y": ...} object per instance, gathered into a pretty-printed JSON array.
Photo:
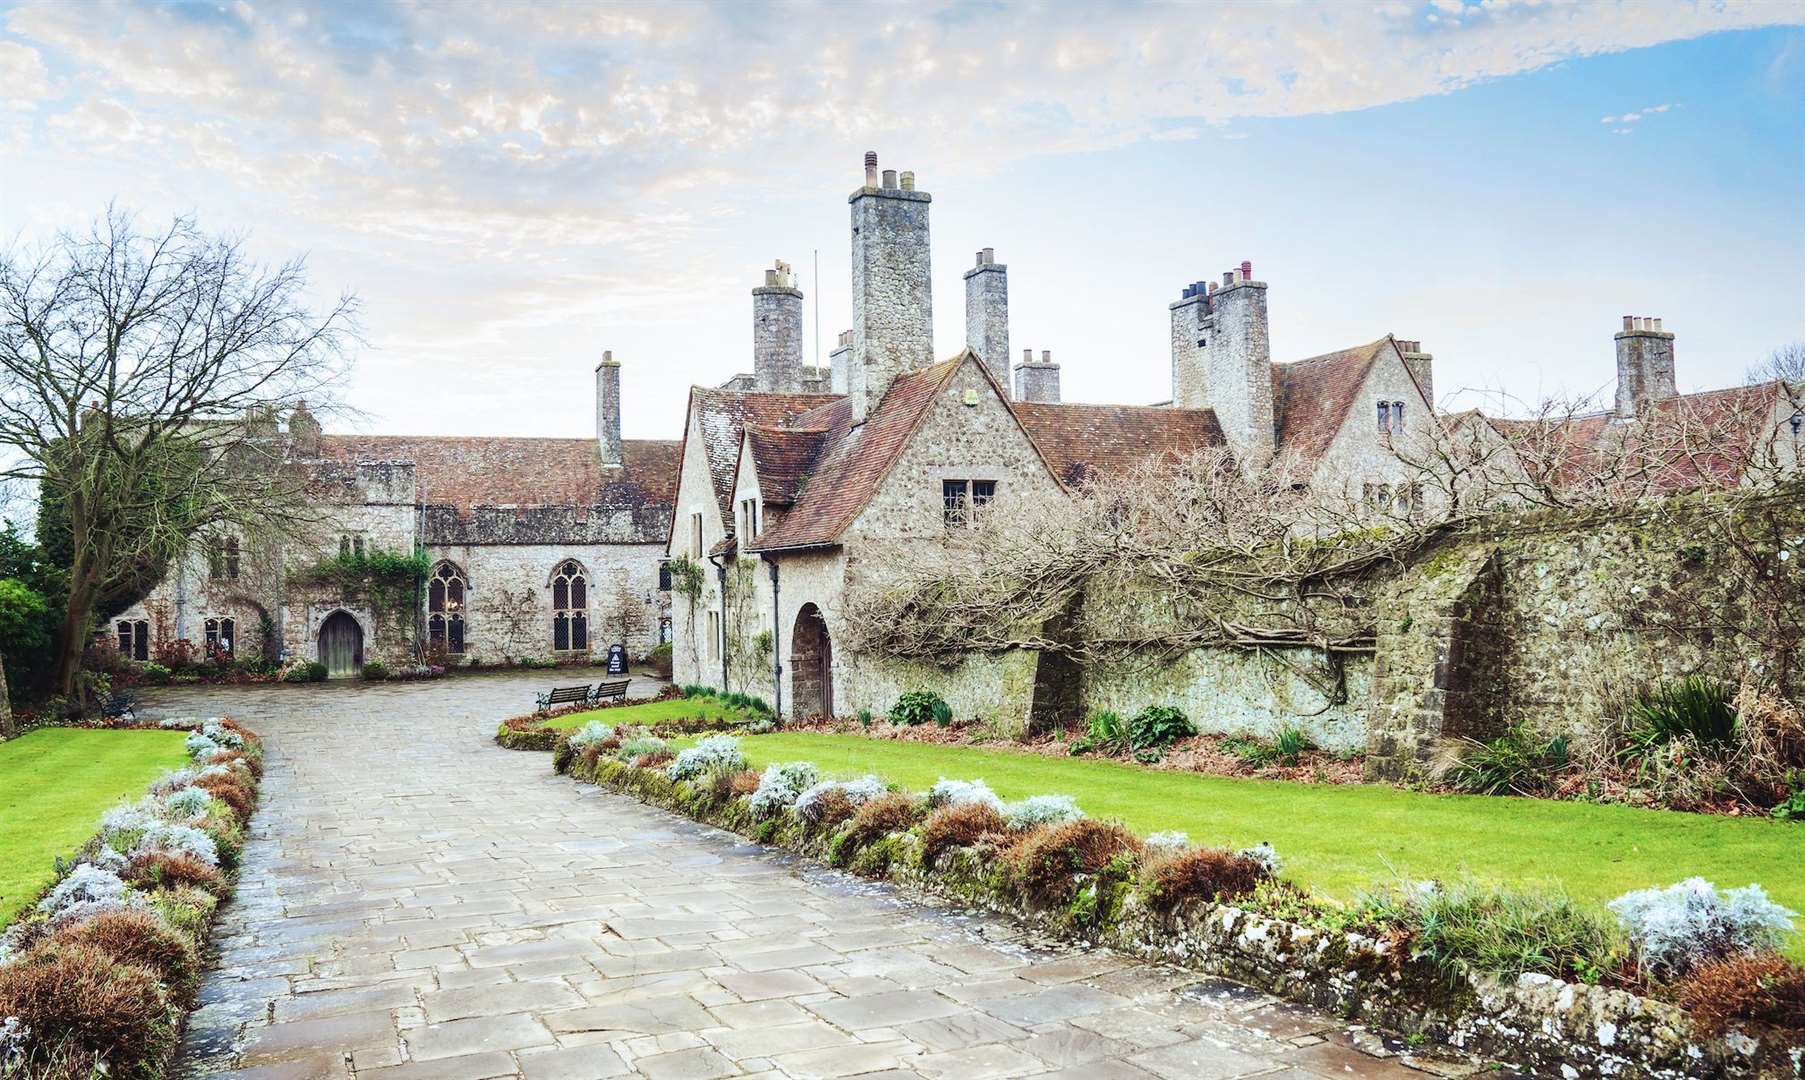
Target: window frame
[
  {"x": 963, "y": 501},
  {"x": 570, "y": 614}
]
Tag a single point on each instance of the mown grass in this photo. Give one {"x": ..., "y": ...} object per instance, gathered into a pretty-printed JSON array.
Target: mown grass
[
  {"x": 1339, "y": 839},
  {"x": 654, "y": 712},
  {"x": 54, "y": 785}
]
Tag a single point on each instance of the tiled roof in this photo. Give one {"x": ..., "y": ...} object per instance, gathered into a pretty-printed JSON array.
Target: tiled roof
[
  {"x": 1079, "y": 441},
  {"x": 1311, "y": 398},
  {"x": 1699, "y": 440},
  {"x": 724, "y": 415},
  {"x": 467, "y": 472},
  {"x": 849, "y": 468},
  {"x": 783, "y": 459}
]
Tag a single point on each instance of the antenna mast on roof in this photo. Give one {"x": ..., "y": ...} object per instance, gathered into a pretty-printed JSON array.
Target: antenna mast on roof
[{"x": 817, "y": 307}]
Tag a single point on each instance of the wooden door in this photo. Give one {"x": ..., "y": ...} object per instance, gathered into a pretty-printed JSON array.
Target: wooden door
[{"x": 341, "y": 646}]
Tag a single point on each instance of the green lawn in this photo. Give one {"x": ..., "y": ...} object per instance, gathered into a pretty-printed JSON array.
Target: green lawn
[
  {"x": 1340, "y": 838},
  {"x": 54, "y": 785},
  {"x": 654, "y": 712}
]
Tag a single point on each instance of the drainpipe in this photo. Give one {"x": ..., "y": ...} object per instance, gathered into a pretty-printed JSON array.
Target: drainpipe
[
  {"x": 776, "y": 642},
  {"x": 720, "y": 573}
]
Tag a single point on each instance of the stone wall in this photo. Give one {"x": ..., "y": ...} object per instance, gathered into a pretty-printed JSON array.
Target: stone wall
[{"x": 892, "y": 291}]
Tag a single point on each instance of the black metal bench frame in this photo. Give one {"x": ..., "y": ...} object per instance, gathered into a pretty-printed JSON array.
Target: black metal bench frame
[
  {"x": 565, "y": 695},
  {"x": 119, "y": 707}
]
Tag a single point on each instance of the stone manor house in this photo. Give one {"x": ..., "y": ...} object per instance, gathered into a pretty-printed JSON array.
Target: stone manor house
[{"x": 737, "y": 543}]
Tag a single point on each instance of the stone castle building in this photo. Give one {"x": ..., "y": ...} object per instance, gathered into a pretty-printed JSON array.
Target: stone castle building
[{"x": 535, "y": 548}]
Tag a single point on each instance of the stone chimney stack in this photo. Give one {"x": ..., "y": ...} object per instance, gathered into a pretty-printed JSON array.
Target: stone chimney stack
[
  {"x": 777, "y": 333},
  {"x": 1037, "y": 381},
  {"x": 1421, "y": 365},
  {"x": 1644, "y": 365},
  {"x": 892, "y": 287},
  {"x": 1222, "y": 359},
  {"x": 303, "y": 433},
  {"x": 607, "y": 408},
  {"x": 840, "y": 363},
  {"x": 987, "y": 314}
]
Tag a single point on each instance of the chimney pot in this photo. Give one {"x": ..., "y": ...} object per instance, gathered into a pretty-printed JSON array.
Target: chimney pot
[
  {"x": 607, "y": 356},
  {"x": 1027, "y": 356},
  {"x": 889, "y": 180},
  {"x": 1228, "y": 277},
  {"x": 1211, "y": 288},
  {"x": 770, "y": 277},
  {"x": 1246, "y": 270},
  {"x": 1046, "y": 356},
  {"x": 871, "y": 168},
  {"x": 1628, "y": 320},
  {"x": 1657, "y": 323},
  {"x": 908, "y": 181}
]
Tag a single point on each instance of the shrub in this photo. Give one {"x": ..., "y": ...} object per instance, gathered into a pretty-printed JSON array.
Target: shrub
[
  {"x": 779, "y": 787},
  {"x": 1695, "y": 707},
  {"x": 712, "y": 752},
  {"x": 1765, "y": 988},
  {"x": 1490, "y": 929},
  {"x": 891, "y": 812},
  {"x": 961, "y": 792},
  {"x": 236, "y": 794},
  {"x": 1052, "y": 860},
  {"x": 1292, "y": 744},
  {"x": 1263, "y": 854},
  {"x": 1038, "y": 810},
  {"x": 917, "y": 707},
  {"x": 200, "y": 746},
  {"x": 958, "y": 825},
  {"x": 589, "y": 734},
  {"x": 1514, "y": 763},
  {"x": 376, "y": 671},
  {"x": 187, "y": 804},
  {"x": 725, "y": 785},
  {"x": 188, "y": 910},
  {"x": 1676, "y": 929},
  {"x": 1173, "y": 840},
  {"x": 637, "y": 747},
  {"x": 165, "y": 870},
  {"x": 855, "y": 793},
  {"x": 154, "y": 674},
  {"x": 1204, "y": 874},
  {"x": 1103, "y": 731},
  {"x": 87, "y": 1007},
  {"x": 660, "y": 660},
  {"x": 86, "y": 884},
  {"x": 657, "y": 759},
  {"x": 1159, "y": 725},
  {"x": 826, "y": 810},
  {"x": 179, "y": 839},
  {"x": 143, "y": 939}
]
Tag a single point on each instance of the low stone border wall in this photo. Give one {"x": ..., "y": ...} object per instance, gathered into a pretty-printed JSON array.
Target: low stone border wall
[
  {"x": 529, "y": 733},
  {"x": 1540, "y": 1024}
]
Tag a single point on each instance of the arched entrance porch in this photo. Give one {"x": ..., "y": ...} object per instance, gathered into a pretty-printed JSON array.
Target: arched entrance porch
[
  {"x": 811, "y": 665},
  {"x": 341, "y": 646}
]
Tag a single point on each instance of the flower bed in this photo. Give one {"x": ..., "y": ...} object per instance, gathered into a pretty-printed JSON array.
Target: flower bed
[
  {"x": 1529, "y": 978},
  {"x": 534, "y": 731},
  {"x": 98, "y": 976}
]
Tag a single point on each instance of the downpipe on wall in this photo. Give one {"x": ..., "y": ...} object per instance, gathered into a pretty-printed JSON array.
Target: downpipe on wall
[{"x": 720, "y": 573}]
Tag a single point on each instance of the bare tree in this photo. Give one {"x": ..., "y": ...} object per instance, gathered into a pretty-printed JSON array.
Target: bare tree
[
  {"x": 1787, "y": 364},
  {"x": 140, "y": 378},
  {"x": 624, "y": 614}
]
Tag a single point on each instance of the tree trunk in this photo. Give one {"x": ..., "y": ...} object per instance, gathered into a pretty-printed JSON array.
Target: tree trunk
[
  {"x": 74, "y": 635},
  {"x": 7, "y": 728}
]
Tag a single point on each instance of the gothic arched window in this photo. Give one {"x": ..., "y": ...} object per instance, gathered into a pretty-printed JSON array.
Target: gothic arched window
[
  {"x": 445, "y": 608},
  {"x": 221, "y": 637},
  {"x": 570, "y": 608}
]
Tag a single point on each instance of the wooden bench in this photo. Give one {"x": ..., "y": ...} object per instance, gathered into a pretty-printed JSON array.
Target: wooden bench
[
  {"x": 119, "y": 707},
  {"x": 564, "y": 695},
  {"x": 616, "y": 689}
]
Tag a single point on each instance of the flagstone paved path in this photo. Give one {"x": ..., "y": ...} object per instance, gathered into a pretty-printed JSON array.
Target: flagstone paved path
[{"x": 418, "y": 903}]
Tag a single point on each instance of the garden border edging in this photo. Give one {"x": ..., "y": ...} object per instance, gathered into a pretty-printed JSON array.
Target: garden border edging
[{"x": 1542, "y": 1024}]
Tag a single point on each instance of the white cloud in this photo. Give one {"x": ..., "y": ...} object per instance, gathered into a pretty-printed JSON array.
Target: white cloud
[{"x": 24, "y": 81}]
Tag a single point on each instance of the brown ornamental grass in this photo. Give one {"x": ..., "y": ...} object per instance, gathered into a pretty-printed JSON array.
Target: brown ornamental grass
[
  {"x": 657, "y": 759},
  {"x": 88, "y": 1008},
  {"x": 1763, "y": 988},
  {"x": 1052, "y": 860},
  {"x": 958, "y": 827},
  {"x": 1204, "y": 874},
  {"x": 831, "y": 809},
  {"x": 890, "y": 812},
  {"x": 233, "y": 791},
  {"x": 725, "y": 786},
  {"x": 142, "y": 939},
  {"x": 168, "y": 870}
]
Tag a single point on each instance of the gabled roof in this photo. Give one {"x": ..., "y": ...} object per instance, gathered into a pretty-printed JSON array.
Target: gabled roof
[
  {"x": 1080, "y": 441},
  {"x": 783, "y": 459},
  {"x": 723, "y": 416},
  {"x": 850, "y": 466},
  {"x": 1311, "y": 398},
  {"x": 468, "y": 472}
]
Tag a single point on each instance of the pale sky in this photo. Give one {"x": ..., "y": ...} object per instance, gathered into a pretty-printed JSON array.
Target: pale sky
[{"x": 513, "y": 188}]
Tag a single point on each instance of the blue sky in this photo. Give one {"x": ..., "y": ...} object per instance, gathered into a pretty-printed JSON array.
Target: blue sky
[{"x": 511, "y": 190}]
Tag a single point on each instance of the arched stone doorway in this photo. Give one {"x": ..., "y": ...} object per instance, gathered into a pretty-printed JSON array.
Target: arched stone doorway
[
  {"x": 811, "y": 665},
  {"x": 341, "y": 645}
]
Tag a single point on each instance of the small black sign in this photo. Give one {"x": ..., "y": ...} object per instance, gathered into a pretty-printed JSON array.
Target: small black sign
[{"x": 617, "y": 659}]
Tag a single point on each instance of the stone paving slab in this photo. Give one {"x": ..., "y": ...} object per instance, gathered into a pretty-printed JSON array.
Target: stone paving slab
[{"x": 418, "y": 904}]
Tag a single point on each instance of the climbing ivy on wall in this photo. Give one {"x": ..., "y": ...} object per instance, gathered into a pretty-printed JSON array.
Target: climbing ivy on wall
[{"x": 391, "y": 580}]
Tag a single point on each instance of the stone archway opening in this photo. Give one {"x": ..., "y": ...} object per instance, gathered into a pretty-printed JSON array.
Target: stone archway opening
[
  {"x": 342, "y": 646},
  {"x": 811, "y": 665}
]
